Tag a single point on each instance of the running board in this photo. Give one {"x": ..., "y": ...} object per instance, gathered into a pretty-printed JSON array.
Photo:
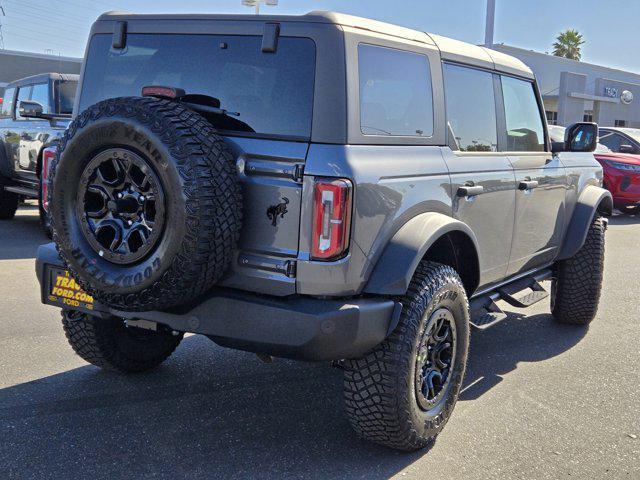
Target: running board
[{"x": 485, "y": 313}]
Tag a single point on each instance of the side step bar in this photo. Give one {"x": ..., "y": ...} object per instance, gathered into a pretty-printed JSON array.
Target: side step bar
[
  {"x": 486, "y": 313},
  {"x": 27, "y": 192}
]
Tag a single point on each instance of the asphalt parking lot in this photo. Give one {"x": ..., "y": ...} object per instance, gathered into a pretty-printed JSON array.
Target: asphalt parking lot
[{"x": 540, "y": 400}]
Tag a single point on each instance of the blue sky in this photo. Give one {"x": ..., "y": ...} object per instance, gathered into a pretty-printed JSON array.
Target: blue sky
[{"x": 609, "y": 26}]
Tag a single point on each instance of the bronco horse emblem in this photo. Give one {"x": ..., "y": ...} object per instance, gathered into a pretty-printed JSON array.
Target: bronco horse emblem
[{"x": 279, "y": 210}]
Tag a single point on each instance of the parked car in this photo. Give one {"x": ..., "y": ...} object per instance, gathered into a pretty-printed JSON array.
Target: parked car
[
  {"x": 34, "y": 114},
  {"x": 621, "y": 171},
  {"x": 319, "y": 187},
  {"x": 622, "y": 167}
]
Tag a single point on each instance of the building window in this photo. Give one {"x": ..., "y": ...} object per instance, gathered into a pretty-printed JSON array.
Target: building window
[
  {"x": 587, "y": 117},
  {"x": 620, "y": 123},
  {"x": 552, "y": 117}
]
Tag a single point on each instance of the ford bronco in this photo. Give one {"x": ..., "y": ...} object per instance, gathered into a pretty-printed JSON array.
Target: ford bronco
[
  {"x": 318, "y": 187},
  {"x": 35, "y": 112}
]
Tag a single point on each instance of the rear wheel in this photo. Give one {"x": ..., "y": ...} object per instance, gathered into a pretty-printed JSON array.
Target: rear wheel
[
  {"x": 108, "y": 343},
  {"x": 402, "y": 393},
  {"x": 575, "y": 290},
  {"x": 8, "y": 204}
]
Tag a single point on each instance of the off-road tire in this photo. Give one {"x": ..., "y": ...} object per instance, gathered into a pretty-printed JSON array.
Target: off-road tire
[
  {"x": 202, "y": 201},
  {"x": 109, "y": 344},
  {"x": 8, "y": 204},
  {"x": 575, "y": 290},
  {"x": 379, "y": 389}
]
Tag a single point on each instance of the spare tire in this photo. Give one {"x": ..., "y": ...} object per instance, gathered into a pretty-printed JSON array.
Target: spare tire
[{"x": 145, "y": 203}]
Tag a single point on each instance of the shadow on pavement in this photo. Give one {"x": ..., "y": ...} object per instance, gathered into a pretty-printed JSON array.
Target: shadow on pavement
[
  {"x": 216, "y": 413},
  {"x": 518, "y": 339},
  {"x": 21, "y": 236}
]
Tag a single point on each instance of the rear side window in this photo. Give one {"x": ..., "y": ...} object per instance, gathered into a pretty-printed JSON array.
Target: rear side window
[
  {"x": 471, "y": 108},
  {"x": 272, "y": 92},
  {"x": 65, "y": 96},
  {"x": 525, "y": 132},
  {"x": 395, "y": 92},
  {"x": 7, "y": 102}
]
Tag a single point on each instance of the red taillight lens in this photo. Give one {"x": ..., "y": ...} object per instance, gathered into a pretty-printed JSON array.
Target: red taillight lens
[
  {"x": 48, "y": 154},
  {"x": 331, "y": 218}
]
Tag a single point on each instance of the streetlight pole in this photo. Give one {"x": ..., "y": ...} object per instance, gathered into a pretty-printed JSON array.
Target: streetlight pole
[{"x": 491, "y": 18}]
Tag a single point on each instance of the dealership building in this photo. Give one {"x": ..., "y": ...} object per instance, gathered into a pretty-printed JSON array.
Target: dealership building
[
  {"x": 575, "y": 91},
  {"x": 15, "y": 65}
]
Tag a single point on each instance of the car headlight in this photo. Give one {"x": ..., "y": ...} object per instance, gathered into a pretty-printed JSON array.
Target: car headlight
[{"x": 626, "y": 167}]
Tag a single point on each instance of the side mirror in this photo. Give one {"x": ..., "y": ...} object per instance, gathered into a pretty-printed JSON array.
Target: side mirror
[
  {"x": 626, "y": 148},
  {"x": 30, "y": 109},
  {"x": 581, "y": 137}
]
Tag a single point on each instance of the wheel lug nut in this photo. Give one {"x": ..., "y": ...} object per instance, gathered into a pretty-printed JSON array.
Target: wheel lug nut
[
  {"x": 120, "y": 195},
  {"x": 141, "y": 198},
  {"x": 130, "y": 222}
]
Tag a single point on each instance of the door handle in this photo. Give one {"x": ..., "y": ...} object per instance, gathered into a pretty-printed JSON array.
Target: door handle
[
  {"x": 528, "y": 184},
  {"x": 470, "y": 190}
]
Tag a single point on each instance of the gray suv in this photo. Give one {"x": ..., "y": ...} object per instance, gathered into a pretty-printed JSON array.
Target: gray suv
[{"x": 318, "y": 187}]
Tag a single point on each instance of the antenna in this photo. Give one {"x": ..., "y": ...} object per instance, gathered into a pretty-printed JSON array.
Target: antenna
[{"x": 1, "y": 35}]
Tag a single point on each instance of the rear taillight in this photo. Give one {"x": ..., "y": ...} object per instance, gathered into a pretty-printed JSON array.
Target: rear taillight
[
  {"x": 48, "y": 154},
  {"x": 331, "y": 218}
]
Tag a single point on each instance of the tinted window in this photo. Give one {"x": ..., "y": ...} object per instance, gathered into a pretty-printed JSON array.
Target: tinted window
[
  {"x": 471, "y": 108},
  {"x": 40, "y": 94},
  {"x": 395, "y": 92},
  {"x": 24, "y": 93},
  {"x": 273, "y": 92},
  {"x": 525, "y": 132},
  {"x": 65, "y": 96},
  {"x": 7, "y": 102},
  {"x": 612, "y": 140}
]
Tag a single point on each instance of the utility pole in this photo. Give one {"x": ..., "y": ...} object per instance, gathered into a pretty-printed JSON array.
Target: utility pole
[{"x": 491, "y": 18}]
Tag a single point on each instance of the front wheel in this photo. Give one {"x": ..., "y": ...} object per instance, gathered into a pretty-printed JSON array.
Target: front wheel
[
  {"x": 108, "y": 343},
  {"x": 402, "y": 393},
  {"x": 575, "y": 290}
]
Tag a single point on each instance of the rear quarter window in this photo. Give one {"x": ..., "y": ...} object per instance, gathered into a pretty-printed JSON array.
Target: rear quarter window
[
  {"x": 395, "y": 92},
  {"x": 273, "y": 92}
]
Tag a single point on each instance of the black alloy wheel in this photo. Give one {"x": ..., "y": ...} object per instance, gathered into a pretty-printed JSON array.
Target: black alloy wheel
[
  {"x": 120, "y": 205},
  {"x": 435, "y": 359}
]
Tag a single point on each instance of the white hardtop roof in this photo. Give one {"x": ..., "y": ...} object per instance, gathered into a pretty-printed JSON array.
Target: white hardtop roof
[{"x": 450, "y": 49}]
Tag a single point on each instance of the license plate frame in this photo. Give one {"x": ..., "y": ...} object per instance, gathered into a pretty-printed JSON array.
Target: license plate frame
[{"x": 61, "y": 290}]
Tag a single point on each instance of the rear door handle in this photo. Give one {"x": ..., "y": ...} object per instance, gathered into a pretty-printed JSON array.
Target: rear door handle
[
  {"x": 470, "y": 190},
  {"x": 528, "y": 185}
]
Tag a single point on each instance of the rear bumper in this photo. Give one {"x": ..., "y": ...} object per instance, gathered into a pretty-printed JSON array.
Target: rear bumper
[{"x": 305, "y": 328}]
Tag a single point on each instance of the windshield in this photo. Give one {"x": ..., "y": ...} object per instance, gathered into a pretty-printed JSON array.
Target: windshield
[
  {"x": 632, "y": 132},
  {"x": 273, "y": 92}
]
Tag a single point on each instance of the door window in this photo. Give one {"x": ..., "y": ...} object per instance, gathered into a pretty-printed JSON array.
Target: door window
[
  {"x": 525, "y": 131},
  {"x": 40, "y": 94},
  {"x": 471, "y": 108},
  {"x": 612, "y": 141},
  {"x": 395, "y": 92},
  {"x": 24, "y": 93},
  {"x": 7, "y": 102}
]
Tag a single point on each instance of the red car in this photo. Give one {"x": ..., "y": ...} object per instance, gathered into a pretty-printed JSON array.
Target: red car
[{"x": 621, "y": 173}]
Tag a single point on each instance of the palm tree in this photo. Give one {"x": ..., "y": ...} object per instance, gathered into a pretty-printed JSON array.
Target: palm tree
[{"x": 567, "y": 45}]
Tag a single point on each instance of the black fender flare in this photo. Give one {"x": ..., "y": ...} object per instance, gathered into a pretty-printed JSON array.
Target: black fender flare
[
  {"x": 592, "y": 199},
  {"x": 400, "y": 258}
]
